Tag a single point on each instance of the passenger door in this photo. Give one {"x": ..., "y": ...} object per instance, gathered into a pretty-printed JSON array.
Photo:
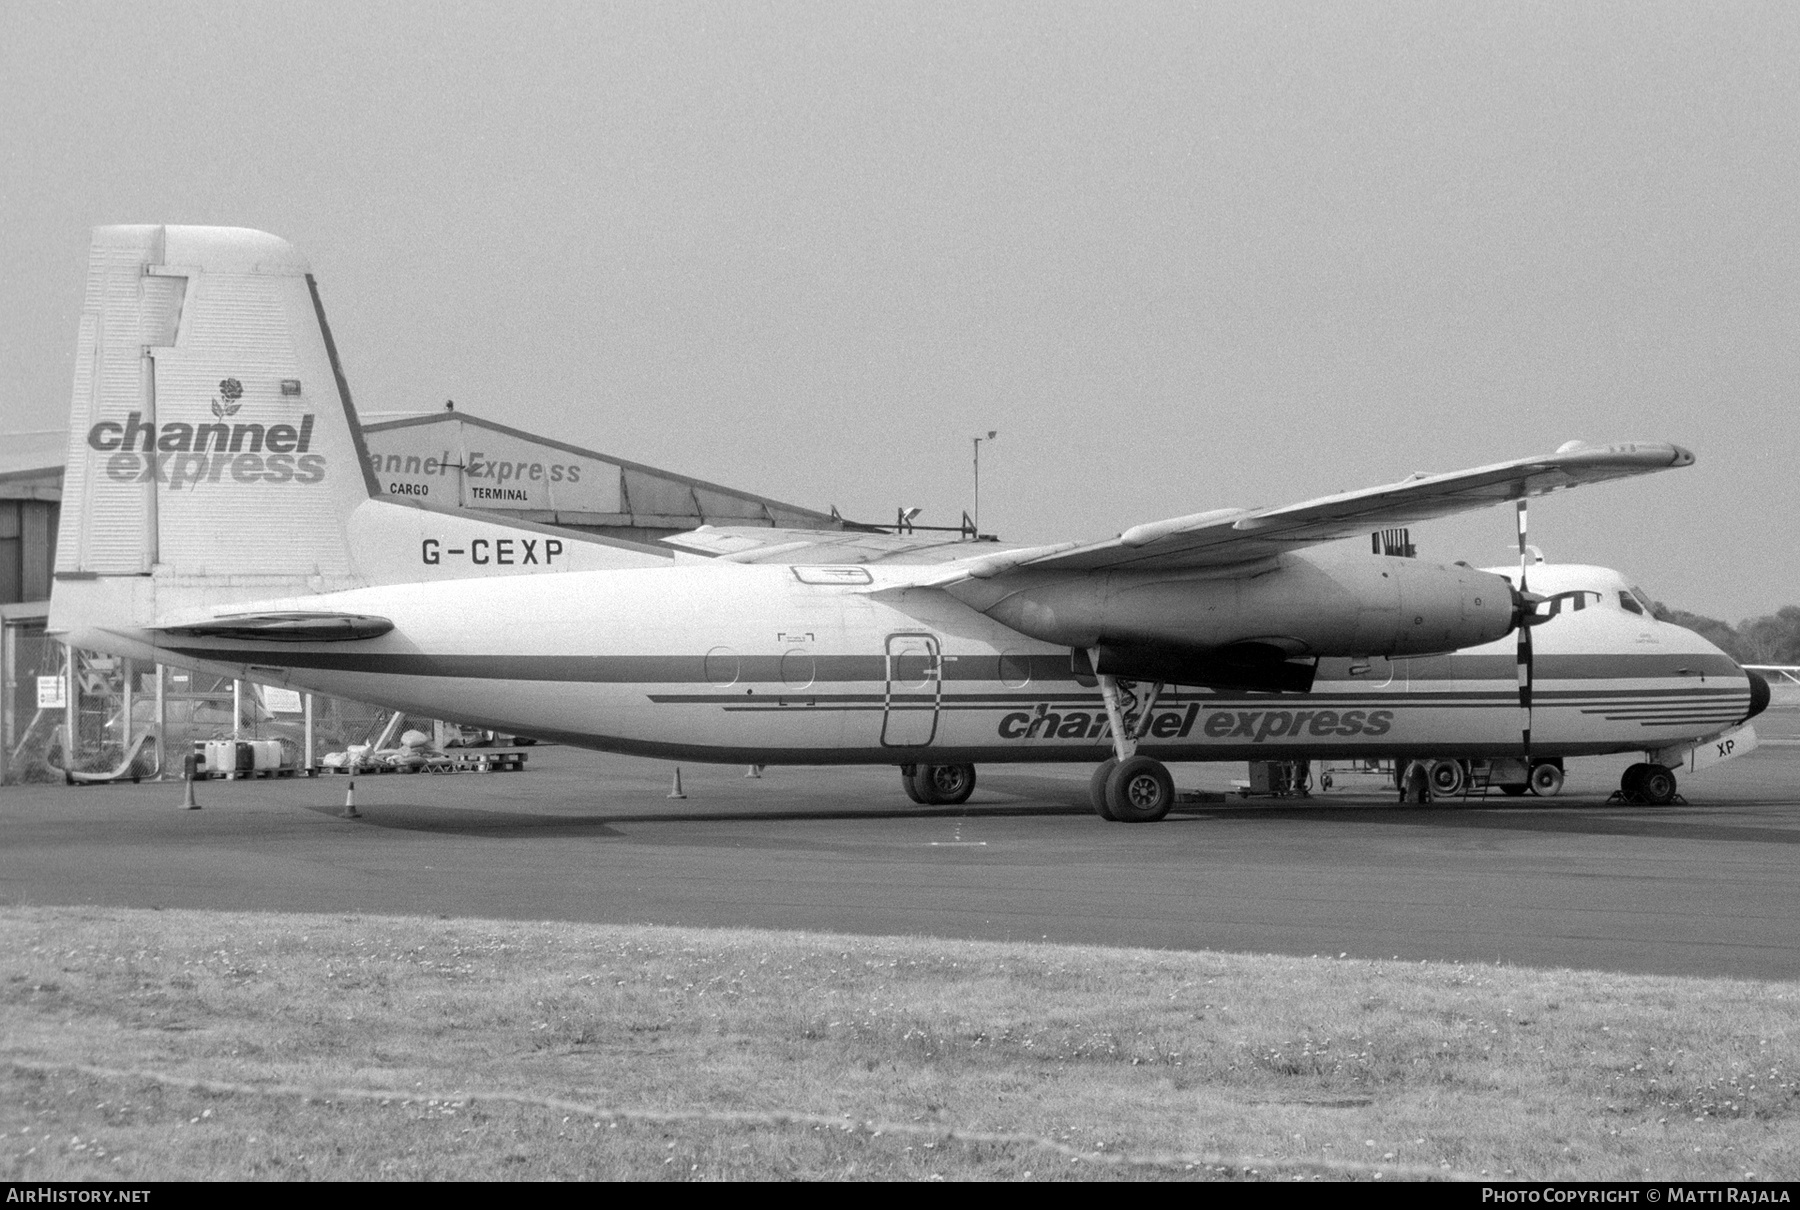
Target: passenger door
[{"x": 914, "y": 689}]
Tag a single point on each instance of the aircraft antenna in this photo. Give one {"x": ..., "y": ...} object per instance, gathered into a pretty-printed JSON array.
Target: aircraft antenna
[{"x": 975, "y": 520}]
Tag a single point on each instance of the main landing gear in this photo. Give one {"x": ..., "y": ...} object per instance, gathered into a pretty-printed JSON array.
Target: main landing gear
[
  {"x": 938, "y": 785},
  {"x": 1137, "y": 789},
  {"x": 1128, "y": 788}
]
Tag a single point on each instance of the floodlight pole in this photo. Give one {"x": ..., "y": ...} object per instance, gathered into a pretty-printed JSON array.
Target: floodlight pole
[{"x": 975, "y": 515}]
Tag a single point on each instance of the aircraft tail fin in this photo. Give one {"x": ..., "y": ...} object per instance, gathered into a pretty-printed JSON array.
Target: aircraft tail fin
[{"x": 212, "y": 437}]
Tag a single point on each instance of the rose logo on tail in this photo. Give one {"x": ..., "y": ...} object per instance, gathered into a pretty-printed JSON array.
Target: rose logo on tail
[{"x": 232, "y": 390}]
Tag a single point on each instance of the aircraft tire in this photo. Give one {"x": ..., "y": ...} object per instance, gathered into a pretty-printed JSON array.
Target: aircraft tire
[
  {"x": 1631, "y": 782},
  {"x": 1546, "y": 780},
  {"x": 1097, "y": 788},
  {"x": 1656, "y": 786},
  {"x": 907, "y": 773},
  {"x": 944, "y": 785},
  {"x": 1140, "y": 790}
]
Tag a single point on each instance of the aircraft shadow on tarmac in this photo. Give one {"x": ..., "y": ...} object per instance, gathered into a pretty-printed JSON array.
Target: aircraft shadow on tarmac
[
  {"x": 1045, "y": 796},
  {"x": 417, "y": 817},
  {"x": 1569, "y": 818}
]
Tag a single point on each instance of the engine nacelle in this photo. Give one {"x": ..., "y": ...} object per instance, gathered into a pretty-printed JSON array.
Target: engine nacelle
[{"x": 1361, "y": 605}]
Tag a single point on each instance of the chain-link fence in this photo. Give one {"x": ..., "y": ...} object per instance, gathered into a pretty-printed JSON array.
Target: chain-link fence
[
  {"x": 32, "y": 714},
  {"x": 124, "y": 729}
]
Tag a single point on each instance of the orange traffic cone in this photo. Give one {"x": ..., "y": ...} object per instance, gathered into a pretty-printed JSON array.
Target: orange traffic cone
[
  {"x": 754, "y": 771},
  {"x": 675, "y": 791},
  {"x": 350, "y": 811}
]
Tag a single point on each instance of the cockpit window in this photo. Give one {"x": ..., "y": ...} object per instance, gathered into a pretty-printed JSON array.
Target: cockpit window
[
  {"x": 1643, "y": 599},
  {"x": 1630, "y": 603}
]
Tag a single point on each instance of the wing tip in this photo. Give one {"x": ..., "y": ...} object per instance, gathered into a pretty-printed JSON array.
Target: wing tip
[{"x": 1651, "y": 455}]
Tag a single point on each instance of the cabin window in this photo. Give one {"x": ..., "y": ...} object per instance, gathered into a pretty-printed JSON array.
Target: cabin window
[{"x": 721, "y": 666}]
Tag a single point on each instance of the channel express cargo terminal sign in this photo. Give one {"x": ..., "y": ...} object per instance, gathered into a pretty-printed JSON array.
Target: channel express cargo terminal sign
[
  {"x": 478, "y": 467},
  {"x": 463, "y": 461}
]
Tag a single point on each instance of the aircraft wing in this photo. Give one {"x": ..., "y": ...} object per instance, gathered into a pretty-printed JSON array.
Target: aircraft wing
[
  {"x": 1220, "y": 538},
  {"x": 1228, "y": 536}
]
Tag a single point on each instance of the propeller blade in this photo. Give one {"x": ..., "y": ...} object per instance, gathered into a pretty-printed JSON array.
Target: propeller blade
[
  {"x": 1527, "y": 607},
  {"x": 1523, "y": 556},
  {"x": 1525, "y": 676}
]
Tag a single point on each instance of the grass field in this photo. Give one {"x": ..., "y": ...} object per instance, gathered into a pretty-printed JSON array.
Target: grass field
[{"x": 142, "y": 1045}]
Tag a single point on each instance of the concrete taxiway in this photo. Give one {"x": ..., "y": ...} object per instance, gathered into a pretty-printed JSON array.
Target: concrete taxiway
[{"x": 1703, "y": 889}]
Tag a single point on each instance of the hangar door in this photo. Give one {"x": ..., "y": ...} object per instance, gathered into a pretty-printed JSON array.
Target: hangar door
[{"x": 914, "y": 684}]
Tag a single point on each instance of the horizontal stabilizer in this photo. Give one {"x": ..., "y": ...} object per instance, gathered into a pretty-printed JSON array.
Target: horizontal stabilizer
[{"x": 286, "y": 627}]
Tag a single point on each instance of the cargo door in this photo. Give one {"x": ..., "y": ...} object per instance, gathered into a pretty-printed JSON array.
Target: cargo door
[{"x": 914, "y": 686}]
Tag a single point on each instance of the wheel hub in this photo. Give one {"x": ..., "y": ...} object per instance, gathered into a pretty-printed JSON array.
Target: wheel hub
[{"x": 1144, "y": 792}]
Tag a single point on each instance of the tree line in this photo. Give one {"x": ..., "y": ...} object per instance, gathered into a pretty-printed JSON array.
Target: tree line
[{"x": 1771, "y": 639}]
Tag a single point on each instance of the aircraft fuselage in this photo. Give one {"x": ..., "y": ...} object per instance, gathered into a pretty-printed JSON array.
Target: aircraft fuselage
[{"x": 709, "y": 661}]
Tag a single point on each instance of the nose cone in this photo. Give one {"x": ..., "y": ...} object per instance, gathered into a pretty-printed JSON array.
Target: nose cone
[{"x": 1759, "y": 694}]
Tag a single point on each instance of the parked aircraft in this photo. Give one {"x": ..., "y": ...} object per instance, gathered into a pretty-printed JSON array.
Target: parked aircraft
[{"x": 220, "y": 511}]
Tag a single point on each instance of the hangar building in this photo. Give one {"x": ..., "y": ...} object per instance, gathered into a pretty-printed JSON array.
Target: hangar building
[{"x": 455, "y": 458}]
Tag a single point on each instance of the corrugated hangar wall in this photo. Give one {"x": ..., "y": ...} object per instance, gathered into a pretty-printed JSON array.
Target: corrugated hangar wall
[
  {"x": 464, "y": 461},
  {"x": 27, "y": 548}
]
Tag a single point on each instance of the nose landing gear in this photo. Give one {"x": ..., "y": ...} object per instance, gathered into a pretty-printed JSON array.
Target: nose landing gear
[{"x": 1651, "y": 785}]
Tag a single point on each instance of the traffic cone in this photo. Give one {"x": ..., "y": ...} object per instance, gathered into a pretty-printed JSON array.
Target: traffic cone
[
  {"x": 350, "y": 811},
  {"x": 753, "y": 771},
  {"x": 188, "y": 802},
  {"x": 675, "y": 791}
]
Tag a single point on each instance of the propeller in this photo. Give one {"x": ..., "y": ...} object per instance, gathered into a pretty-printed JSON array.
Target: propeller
[{"x": 1525, "y": 606}]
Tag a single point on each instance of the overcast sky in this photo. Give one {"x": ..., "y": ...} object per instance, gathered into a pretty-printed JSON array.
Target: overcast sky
[{"x": 1180, "y": 256}]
